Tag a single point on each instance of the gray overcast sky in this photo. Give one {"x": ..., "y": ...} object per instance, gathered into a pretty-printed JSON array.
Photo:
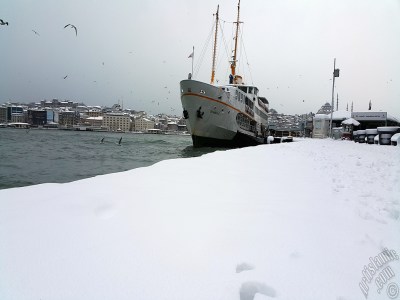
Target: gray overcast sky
[{"x": 144, "y": 45}]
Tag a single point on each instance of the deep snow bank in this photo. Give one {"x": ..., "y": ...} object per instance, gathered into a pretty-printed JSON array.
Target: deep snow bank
[{"x": 287, "y": 221}]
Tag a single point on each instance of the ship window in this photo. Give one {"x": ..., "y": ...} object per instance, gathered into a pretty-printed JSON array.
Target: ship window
[
  {"x": 249, "y": 103},
  {"x": 243, "y": 88}
]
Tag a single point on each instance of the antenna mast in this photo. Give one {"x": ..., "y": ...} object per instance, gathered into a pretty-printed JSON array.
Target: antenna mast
[
  {"x": 233, "y": 65},
  {"x": 215, "y": 46}
]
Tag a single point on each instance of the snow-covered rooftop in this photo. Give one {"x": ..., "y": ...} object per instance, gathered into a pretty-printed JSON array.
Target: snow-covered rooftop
[
  {"x": 99, "y": 118},
  {"x": 321, "y": 116},
  {"x": 351, "y": 121}
]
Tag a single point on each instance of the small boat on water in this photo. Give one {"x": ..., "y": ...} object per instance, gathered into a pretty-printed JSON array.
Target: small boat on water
[
  {"x": 230, "y": 115},
  {"x": 19, "y": 125}
]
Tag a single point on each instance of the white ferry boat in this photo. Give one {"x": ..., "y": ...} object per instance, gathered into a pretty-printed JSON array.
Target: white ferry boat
[{"x": 231, "y": 115}]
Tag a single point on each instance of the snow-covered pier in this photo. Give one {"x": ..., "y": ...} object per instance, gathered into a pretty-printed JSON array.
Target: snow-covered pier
[{"x": 287, "y": 221}]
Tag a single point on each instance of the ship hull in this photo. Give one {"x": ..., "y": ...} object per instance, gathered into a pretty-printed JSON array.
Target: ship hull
[
  {"x": 238, "y": 141},
  {"x": 211, "y": 116}
]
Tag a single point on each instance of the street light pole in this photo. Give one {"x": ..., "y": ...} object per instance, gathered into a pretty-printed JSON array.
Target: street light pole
[
  {"x": 335, "y": 74},
  {"x": 333, "y": 92}
]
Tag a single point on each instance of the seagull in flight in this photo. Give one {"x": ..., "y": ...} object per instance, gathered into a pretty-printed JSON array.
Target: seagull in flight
[
  {"x": 37, "y": 33},
  {"x": 72, "y": 26},
  {"x": 3, "y": 23}
]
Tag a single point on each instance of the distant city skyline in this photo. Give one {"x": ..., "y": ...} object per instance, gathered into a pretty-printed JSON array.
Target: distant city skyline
[{"x": 136, "y": 53}]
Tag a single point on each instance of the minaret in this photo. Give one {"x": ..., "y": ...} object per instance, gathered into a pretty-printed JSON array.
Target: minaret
[{"x": 351, "y": 106}]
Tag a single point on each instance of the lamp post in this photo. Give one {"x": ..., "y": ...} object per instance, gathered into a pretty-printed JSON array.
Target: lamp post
[{"x": 335, "y": 74}]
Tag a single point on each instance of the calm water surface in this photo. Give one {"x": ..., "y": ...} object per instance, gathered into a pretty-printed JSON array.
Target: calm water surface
[{"x": 42, "y": 156}]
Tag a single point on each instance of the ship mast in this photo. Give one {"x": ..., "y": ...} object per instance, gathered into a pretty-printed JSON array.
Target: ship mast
[
  {"x": 233, "y": 64},
  {"x": 215, "y": 46}
]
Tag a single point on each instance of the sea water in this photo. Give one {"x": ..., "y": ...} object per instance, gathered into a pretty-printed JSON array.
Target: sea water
[{"x": 37, "y": 156}]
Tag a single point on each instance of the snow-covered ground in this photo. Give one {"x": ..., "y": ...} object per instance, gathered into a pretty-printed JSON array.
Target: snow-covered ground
[{"x": 303, "y": 220}]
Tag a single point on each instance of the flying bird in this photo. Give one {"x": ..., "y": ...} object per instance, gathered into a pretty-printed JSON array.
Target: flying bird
[
  {"x": 65, "y": 76},
  {"x": 3, "y": 23},
  {"x": 37, "y": 33},
  {"x": 72, "y": 26}
]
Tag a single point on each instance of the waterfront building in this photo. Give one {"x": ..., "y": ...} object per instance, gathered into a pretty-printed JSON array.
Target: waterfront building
[
  {"x": 18, "y": 118},
  {"x": 94, "y": 113},
  {"x": 374, "y": 119},
  {"x": 56, "y": 116},
  {"x": 367, "y": 120},
  {"x": 320, "y": 126},
  {"x": 37, "y": 117},
  {"x": 182, "y": 125},
  {"x": 143, "y": 124},
  {"x": 3, "y": 114},
  {"x": 172, "y": 126},
  {"x": 12, "y": 109},
  {"x": 94, "y": 121},
  {"x": 116, "y": 121},
  {"x": 55, "y": 103},
  {"x": 49, "y": 116},
  {"x": 68, "y": 118},
  {"x": 68, "y": 104},
  {"x": 182, "y": 128},
  {"x": 321, "y": 122}
]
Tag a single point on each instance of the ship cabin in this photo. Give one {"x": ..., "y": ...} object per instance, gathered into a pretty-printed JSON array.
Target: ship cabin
[
  {"x": 263, "y": 102},
  {"x": 249, "y": 95}
]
